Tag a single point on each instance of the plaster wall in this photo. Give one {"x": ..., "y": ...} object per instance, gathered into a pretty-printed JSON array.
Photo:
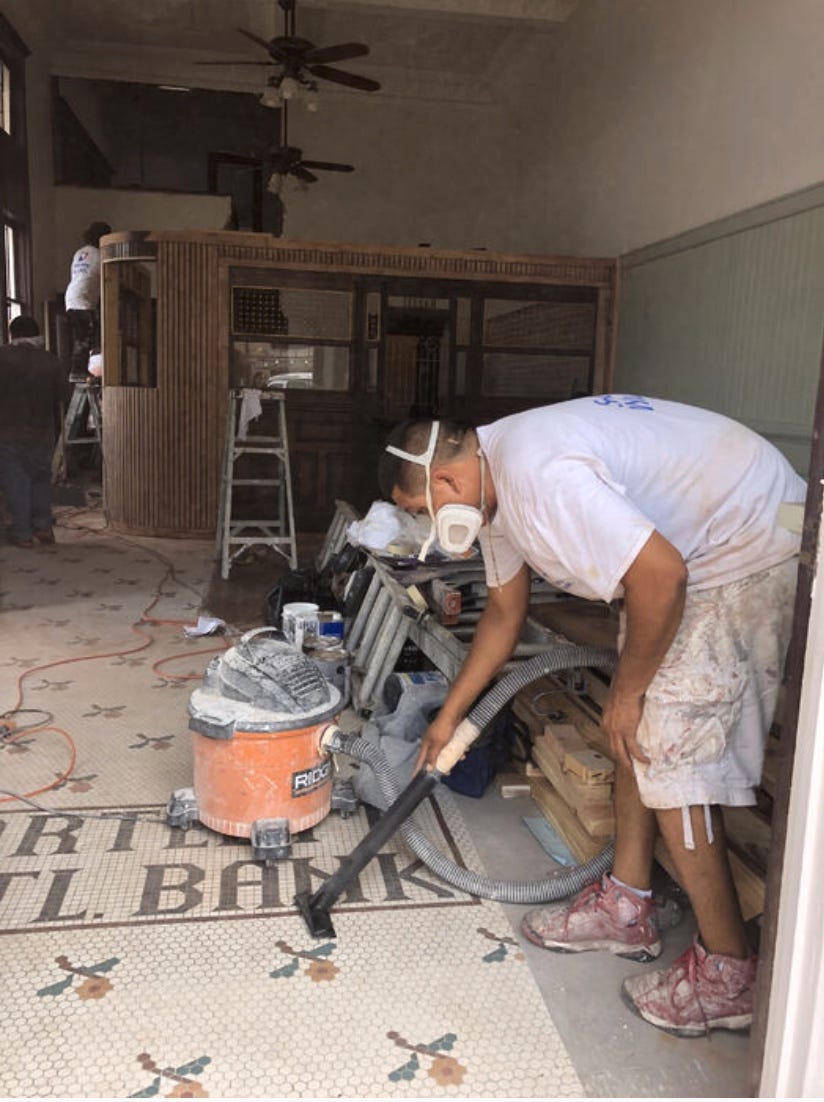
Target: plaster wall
[
  {"x": 76, "y": 207},
  {"x": 654, "y": 117},
  {"x": 424, "y": 172}
]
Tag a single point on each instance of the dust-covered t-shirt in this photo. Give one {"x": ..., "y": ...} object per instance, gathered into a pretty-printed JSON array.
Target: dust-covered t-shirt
[
  {"x": 581, "y": 486},
  {"x": 83, "y": 291}
]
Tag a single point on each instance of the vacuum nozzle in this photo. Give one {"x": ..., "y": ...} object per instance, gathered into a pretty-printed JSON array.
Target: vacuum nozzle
[
  {"x": 316, "y": 916},
  {"x": 315, "y": 908}
]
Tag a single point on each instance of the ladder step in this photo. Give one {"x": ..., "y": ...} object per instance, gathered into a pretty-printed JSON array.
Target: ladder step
[
  {"x": 270, "y": 541},
  {"x": 269, "y": 522},
  {"x": 257, "y": 481}
]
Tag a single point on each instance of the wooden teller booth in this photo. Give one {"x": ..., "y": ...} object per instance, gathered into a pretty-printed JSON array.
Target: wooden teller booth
[{"x": 360, "y": 336}]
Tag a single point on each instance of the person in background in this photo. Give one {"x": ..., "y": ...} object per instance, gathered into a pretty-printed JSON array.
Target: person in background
[
  {"x": 33, "y": 386},
  {"x": 82, "y": 299},
  {"x": 671, "y": 511}
]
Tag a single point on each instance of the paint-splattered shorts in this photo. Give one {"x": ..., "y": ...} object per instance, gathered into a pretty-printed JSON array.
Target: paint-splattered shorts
[{"x": 709, "y": 708}]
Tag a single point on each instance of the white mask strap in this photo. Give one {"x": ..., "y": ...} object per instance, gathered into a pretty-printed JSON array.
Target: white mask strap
[{"x": 424, "y": 460}]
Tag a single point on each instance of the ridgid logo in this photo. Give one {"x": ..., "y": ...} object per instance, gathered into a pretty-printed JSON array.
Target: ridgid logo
[
  {"x": 61, "y": 870},
  {"x": 309, "y": 780}
]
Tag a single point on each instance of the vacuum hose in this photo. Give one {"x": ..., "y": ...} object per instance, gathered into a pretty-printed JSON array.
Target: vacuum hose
[
  {"x": 561, "y": 884},
  {"x": 315, "y": 908}
]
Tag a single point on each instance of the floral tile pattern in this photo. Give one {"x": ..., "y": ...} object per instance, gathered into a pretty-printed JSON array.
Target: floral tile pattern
[{"x": 142, "y": 961}]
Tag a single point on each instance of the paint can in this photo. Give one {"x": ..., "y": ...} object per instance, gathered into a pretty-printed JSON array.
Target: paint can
[
  {"x": 335, "y": 665},
  {"x": 299, "y": 623}
]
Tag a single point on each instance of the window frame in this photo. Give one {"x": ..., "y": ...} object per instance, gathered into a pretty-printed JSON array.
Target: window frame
[
  {"x": 5, "y": 97},
  {"x": 12, "y": 293},
  {"x": 15, "y": 211}
]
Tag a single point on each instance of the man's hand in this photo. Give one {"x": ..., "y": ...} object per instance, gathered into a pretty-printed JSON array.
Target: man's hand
[
  {"x": 620, "y": 719},
  {"x": 495, "y": 637},
  {"x": 438, "y": 734}
]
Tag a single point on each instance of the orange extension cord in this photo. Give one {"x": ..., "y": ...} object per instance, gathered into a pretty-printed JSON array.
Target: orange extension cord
[{"x": 9, "y": 730}]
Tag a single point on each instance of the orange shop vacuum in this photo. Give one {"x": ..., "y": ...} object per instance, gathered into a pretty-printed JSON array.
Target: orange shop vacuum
[{"x": 259, "y": 770}]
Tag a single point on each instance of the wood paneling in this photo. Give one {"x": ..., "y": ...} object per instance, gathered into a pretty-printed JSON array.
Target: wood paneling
[{"x": 163, "y": 445}]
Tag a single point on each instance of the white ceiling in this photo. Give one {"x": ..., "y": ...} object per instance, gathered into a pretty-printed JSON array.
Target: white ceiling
[{"x": 443, "y": 49}]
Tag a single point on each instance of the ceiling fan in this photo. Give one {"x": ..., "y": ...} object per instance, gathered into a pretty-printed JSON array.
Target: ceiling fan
[
  {"x": 287, "y": 160},
  {"x": 299, "y": 64}
]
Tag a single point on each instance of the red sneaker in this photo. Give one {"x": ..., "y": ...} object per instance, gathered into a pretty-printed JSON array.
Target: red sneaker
[
  {"x": 44, "y": 535},
  {"x": 603, "y": 916},
  {"x": 699, "y": 992}
]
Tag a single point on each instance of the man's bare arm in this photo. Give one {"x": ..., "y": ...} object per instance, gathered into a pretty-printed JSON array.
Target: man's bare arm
[
  {"x": 654, "y": 592},
  {"x": 495, "y": 638}
]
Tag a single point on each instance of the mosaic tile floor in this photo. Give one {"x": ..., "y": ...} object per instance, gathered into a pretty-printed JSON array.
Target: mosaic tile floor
[{"x": 143, "y": 961}]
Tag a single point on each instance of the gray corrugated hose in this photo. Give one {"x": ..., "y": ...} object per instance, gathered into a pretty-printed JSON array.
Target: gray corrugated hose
[{"x": 561, "y": 884}]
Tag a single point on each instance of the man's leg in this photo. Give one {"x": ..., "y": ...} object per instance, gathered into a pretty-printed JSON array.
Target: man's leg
[
  {"x": 14, "y": 478},
  {"x": 39, "y": 464},
  {"x": 636, "y": 829},
  {"x": 705, "y": 875},
  {"x": 81, "y": 328},
  {"x": 712, "y": 984}
]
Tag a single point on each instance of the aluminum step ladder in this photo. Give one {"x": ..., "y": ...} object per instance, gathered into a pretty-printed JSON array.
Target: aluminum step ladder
[
  {"x": 82, "y": 415},
  {"x": 377, "y": 637},
  {"x": 335, "y": 538},
  {"x": 269, "y": 454}
]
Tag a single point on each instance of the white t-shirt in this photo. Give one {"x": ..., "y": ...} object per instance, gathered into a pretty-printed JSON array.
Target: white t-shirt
[
  {"x": 581, "y": 486},
  {"x": 83, "y": 291}
]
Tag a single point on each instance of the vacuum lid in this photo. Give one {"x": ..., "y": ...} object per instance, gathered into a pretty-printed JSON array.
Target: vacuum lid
[{"x": 267, "y": 682}]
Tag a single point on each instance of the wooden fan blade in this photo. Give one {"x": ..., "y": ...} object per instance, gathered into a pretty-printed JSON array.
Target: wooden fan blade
[
  {"x": 344, "y": 52},
  {"x": 338, "y": 76},
  {"x": 303, "y": 174},
  {"x": 328, "y": 166},
  {"x": 254, "y": 37},
  {"x": 233, "y": 63}
]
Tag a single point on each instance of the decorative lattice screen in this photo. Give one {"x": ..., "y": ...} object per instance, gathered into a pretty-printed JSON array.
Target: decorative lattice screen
[
  {"x": 292, "y": 312},
  {"x": 552, "y": 325}
]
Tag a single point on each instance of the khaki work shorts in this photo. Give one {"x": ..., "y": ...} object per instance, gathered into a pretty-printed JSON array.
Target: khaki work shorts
[{"x": 709, "y": 708}]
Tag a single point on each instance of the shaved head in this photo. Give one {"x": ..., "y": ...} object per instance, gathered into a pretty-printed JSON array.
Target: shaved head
[{"x": 454, "y": 441}]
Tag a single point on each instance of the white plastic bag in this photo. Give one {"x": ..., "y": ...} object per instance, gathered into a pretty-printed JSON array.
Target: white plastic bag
[{"x": 386, "y": 528}]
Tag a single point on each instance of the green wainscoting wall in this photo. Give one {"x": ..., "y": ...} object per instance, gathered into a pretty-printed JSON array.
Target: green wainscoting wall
[{"x": 730, "y": 316}]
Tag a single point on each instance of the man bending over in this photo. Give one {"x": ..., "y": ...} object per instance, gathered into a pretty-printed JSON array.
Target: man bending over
[{"x": 672, "y": 512}]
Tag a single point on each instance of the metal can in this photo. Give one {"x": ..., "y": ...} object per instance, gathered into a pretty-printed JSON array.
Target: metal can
[
  {"x": 334, "y": 664},
  {"x": 329, "y": 629}
]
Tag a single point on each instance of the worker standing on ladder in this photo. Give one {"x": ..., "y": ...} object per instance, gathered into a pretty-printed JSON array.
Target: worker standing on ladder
[
  {"x": 33, "y": 386},
  {"x": 82, "y": 300},
  {"x": 673, "y": 511}
]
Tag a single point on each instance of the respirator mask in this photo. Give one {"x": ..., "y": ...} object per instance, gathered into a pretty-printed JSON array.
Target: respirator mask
[{"x": 455, "y": 525}]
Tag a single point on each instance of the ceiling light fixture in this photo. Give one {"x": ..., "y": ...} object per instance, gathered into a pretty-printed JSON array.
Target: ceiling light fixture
[
  {"x": 272, "y": 96},
  {"x": 280, "y": 90},
  {"x": 289, "y": 88}
]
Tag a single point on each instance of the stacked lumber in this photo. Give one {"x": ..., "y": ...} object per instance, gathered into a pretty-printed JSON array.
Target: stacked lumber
[
  {"x": 571, "y": 777},
  {"x": 581, "y": 776}
]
